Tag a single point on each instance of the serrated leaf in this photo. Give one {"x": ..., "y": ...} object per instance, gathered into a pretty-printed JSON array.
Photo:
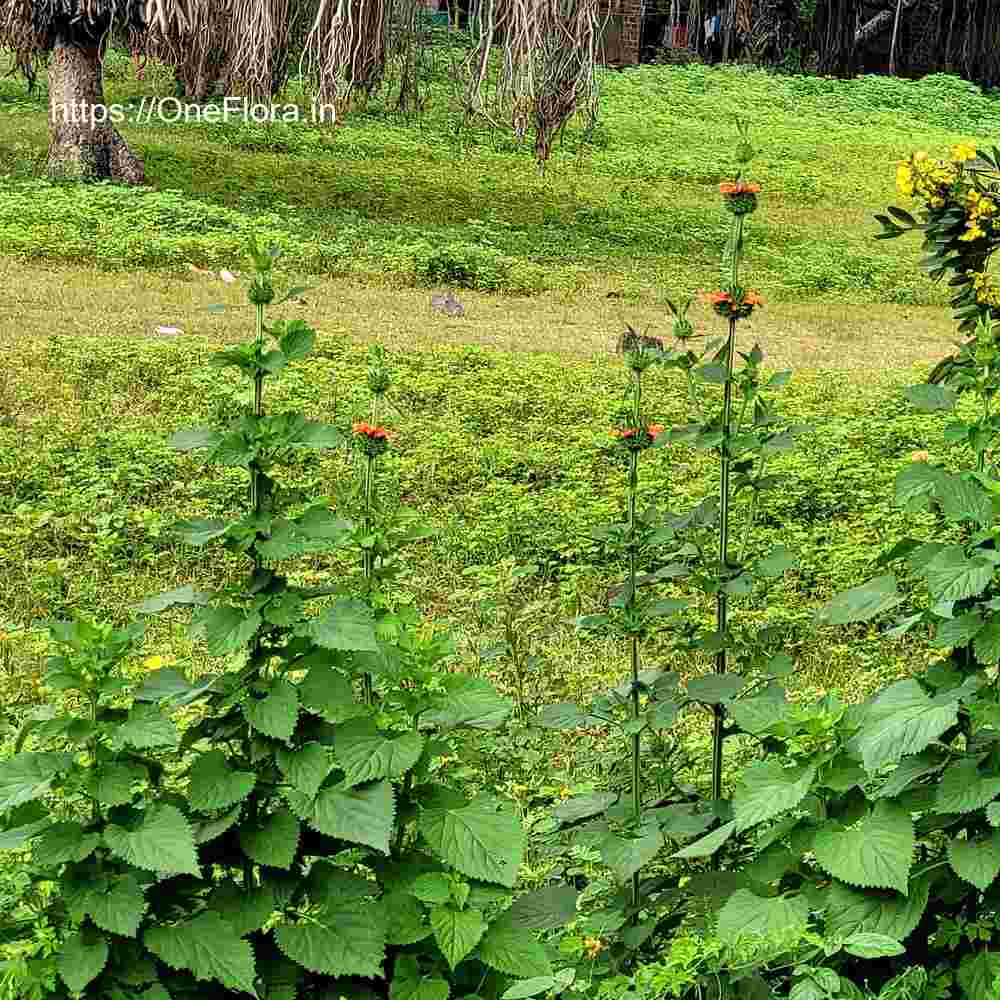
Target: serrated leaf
[
  {"x": 15, "y": 838},
  {"x": 931, "y": 398},
  {"x": 195, "y": 437},
  {"x": 767, "y": 788},
  {"x": 359, "y": 815},
  {"x": 213, "y": 828},
  {"x": 564, "y": 715},
  {"x": 64, "y": 842},
  {"x": 276, "y": 713},
  {"x": 244, "y": 911},
  {"x": 344, "y": 940},
  {"x": 329, "y": 694},
  {"x": 513, "y": 950},
  {"x": 850, "y": 911},
  {"x": 456, "y": 931},
  {"x": 208, "y": 948},
  {"x": 915, "y": 485},
  {"x": 715, "y": 689},
  {"x": 583, "y": 806},
  {"x": 530, "y": 988},
  {"x": 216, "y": 785},
  {"x": 145, "y": 727},
  {"x": 28, "y": 776},
  {"x": 185, "y": 595},
  {"x": 81, "y": 960},
  {"x": 861, "y": 604},
  {"x": 113, "y": 782},
  {"x": 226, "y": 629},
  {"x": 406, "y": 920},
  {"x": 963, "y": 788},
  {"x": 627, "y": 855},
  {"x": 962, "y": 500},
  {"x": 408, "y": 983},
  {"x": 483, "y": 839},
  {"x": 274, "y": 841},
  {"x": 977, "y": 973},
  {"x": 469, "y": 701},
  {"x": 709, "y": 844},
  {"x": 117, "y": 906},
  {"x": 747, "y": 916},
  {"x": 162, "y": 841},
  {"x": 993, "y": 814},
  {"x": 987, "y": 643},
  {"x": 347, "y": 625},
  {"x": 306, "y": 769},
  {"x": 902, "y": 720},
  {"x": 909, "y": 770},
  {"x": 977, "y": 861},
  {"x": 875, "y": 853},
  {"x": 545, "y": 909},
  {"x": 952, "y": 576},
  {"x": 867, "y": 945},
  {"x": 365, "y": 754},
  {"x": 199, "y": 531}
]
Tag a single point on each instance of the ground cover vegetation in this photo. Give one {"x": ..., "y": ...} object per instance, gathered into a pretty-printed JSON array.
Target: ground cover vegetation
[{"x": 457, "y": 672}]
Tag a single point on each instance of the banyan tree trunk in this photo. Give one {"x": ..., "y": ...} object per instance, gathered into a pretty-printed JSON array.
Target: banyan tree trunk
[{"x": 84, "y": 144}]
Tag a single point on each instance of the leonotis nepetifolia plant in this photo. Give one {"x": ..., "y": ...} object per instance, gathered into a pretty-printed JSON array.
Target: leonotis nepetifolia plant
[{"x": 307, "y": 842}]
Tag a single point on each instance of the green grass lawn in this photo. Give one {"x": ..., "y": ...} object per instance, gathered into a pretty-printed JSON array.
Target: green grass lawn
[{"x": 501, "y": 416}]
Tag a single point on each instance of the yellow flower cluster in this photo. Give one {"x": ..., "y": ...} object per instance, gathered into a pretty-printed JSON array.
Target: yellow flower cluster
[
  {"x": 987, "y": 293},
  {"x": 963, "y": 152},
  {"x": 982, "y": 212},
  {"x": 929, "y": 178}
]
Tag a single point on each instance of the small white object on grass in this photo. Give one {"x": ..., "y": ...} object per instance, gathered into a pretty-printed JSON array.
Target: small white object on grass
[
  {"x": 227, "y": 276},
  {"x": 169, "y": 331}
]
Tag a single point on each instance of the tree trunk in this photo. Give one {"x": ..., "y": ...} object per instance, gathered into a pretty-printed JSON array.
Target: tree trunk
[
  {"x": 84, "y": 144},
  {"x": 895, "y": 38}
]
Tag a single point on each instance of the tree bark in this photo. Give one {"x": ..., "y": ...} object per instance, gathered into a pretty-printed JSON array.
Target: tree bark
[
  {"x": 84, "y": 144},
  {"x": 895, "y": 38},
  {"x": 879, "y": 23}
]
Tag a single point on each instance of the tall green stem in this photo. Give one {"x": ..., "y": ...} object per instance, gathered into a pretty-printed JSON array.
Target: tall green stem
[
  {"x": 633, "y": 489},
  {"x": 256, "y": 500},
  {"x": 721, "y": 605},
  {"x": 368, "y": 554}
]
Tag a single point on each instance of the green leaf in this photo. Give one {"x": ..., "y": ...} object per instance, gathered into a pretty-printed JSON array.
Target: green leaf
[
  {"x": 530, "y": 988},
  {"x": 298, "y": 339},
  {"x": 306, "y": 769},
  {"x": 215, "y": 785},
  {"x": 958, "y": 632},
  {"x": 199, "y": 531},
  {"x": 185, "y": 595},
  {"x": 344, "y": 940},
  {"x": 993, "y": 814},
  {"x": 778, "y": 561},
  {"x": 117, "y": 906},
  {"x": 347, "y": 625},
  {"x": 81, "y": 960},
  {"x": 902, "y": 720},
  {"x": 28, "y": 776},
  {"x": 15, "y": 838},
  {"x": 963, "y": 788},
  {"x": 65, "y": 842},
  {"x": 767, "y": 788},
  {"x": 456, "y": 931},
  {"x": 545, "y": 909},
  {"x": 213, "y": 828},
  {"x": 715, "y": 689},
  {"x": 875, "y": 853},
  {"x": 977, "y": 974},
  {"x": 916, "y": 485},
  {"x": 564, "y": 715},
  {"x": 226, "y": 629},
  {"x": 209, "y": 948},
  {"x": 962, "y": 500},
  {"x": 759, "y": 715},
  {"x": 244, "y": 911},
  {"x": 276, "y": 713},
  {"x": 868, "y": 945},
  {"x": 626, "y": 855},
  {"x": 330, "y": 694},
  {"x": 749, "y": 916},
  {"x": 161, "y": 841},
  {"x": 113, "y": 782},
  {"x": 469, "y": 701},
  {"x": 931, "y": 398},
  {"x": 145, "y": 728},
  {"x": 987, "y": 643},
  {"x": 408, "y": 983},
  {"x": 513, "y": 950},
  {"x": 195, "y": 437},
  {"x": 953, "y": 576},
  {"x": 850, "y": 911},
  {"x": 274, "y": 841},
  {"x": 909, "y": 770},
  {"x": 365, "y": 754},
  {"x": 406, "y": 922},
  {"x": 359, "y": 815},
  {"x": 709, "y": 844},
  {"x": 976, "y": 861},
  {"x": 483, "y": 839},
  {"x": 315, "y": 434},
  {"x": 861, "y": 604},
  {"x": 583, "y": 806}
]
